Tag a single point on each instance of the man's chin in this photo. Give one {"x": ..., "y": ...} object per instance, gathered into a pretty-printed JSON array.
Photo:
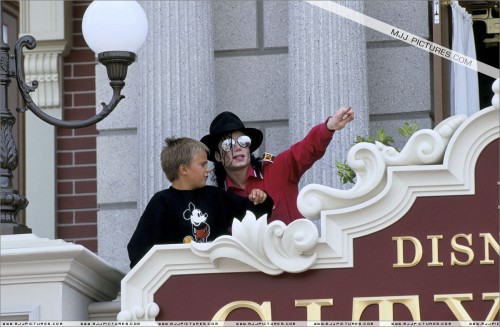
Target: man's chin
[{"x": 239, "y": 165}]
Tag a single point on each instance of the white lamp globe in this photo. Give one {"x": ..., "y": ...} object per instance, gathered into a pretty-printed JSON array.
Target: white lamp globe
[{"x": 115, "y": 26}]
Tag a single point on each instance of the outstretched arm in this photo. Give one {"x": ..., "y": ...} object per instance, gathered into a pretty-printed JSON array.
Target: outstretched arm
[{"x": 303, "y": 154}]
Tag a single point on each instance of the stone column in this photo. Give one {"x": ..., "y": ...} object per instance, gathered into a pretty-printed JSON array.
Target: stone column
[
  {"x": 169, "y": 92},
  {"x": 327, "y": 70},
  {"x": 177, "y": 83}
]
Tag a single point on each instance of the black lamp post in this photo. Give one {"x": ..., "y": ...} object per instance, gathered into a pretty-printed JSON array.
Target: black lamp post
[{"x": 102, "y": 23}]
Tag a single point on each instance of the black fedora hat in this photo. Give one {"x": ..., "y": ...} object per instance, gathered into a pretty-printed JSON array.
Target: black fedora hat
[{"x": 227, "y": 122}]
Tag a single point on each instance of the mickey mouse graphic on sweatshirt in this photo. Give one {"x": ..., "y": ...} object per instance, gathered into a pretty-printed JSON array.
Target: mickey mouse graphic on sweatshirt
[
  {"x": 182, "y": 216},
  {"x": 201, "y": 230}
]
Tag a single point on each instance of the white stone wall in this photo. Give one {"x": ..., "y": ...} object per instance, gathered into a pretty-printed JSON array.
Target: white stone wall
[
  {"x": 398, "y": 74},
  {"x": 251, "y": 66}
]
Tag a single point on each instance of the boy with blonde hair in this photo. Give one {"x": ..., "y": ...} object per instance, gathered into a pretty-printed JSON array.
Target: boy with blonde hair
[{"x": 190, "y": 210}]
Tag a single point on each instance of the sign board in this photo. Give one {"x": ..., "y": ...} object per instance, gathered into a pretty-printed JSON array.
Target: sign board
[{"x": 439, "y": 262}]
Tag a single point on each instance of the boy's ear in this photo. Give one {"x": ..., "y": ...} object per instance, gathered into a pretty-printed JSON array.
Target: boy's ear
[{"x": 183, "y": 169}]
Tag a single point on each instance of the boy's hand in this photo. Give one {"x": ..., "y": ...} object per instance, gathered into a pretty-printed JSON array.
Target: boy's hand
[
  {"x": 338, "y": 121},
  {"x": 257, "y": 196}
]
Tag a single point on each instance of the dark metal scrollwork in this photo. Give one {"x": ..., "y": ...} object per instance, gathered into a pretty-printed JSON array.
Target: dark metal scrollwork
[{"x": 117, "y": 61}]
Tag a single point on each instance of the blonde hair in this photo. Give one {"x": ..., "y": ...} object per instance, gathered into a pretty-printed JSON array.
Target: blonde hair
[{"x": 179, "y": 151}]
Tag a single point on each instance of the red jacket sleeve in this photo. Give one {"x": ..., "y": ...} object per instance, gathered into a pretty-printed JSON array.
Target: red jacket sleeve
[{"x": 295, "y": 161}]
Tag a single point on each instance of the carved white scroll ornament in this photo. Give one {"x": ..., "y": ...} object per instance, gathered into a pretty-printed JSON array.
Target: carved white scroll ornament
[
  {"x": 370, "y": 163},
  {"x": 273, "y": 248}
]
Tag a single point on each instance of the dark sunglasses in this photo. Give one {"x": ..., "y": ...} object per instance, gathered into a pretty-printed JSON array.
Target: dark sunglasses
[{"x": 243, "y": 141}]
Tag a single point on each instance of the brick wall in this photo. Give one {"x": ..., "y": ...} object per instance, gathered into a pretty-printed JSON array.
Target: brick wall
[{"x": 76, "y": 148}]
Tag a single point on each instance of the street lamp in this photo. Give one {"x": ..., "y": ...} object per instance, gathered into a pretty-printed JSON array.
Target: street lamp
[{"x": 114, "y": 30}]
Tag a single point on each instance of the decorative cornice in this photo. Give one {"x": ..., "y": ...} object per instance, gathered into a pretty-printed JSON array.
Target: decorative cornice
[{"x": 45, "y": 68}]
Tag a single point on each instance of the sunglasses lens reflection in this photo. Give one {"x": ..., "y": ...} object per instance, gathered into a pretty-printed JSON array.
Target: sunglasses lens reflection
[
  {"x": 243, "y": 141},
  {"x": 227, "y": 145}
]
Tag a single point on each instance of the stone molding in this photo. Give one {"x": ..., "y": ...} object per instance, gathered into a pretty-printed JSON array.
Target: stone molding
[
  {"x": 44, "y": 66},
  {"x": 28, "y": 259},
  {"x": 20, "y": 312}
]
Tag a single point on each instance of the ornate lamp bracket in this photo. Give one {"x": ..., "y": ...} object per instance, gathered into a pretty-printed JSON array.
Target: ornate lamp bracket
[{"x": 116, "y": 63}]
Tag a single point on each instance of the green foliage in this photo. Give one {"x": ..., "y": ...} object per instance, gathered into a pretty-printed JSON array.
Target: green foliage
[
  {"x": 345, "y": 172},
  {"x": 384, "y": 138},
  {"x": 381, "y": 137},
  {"x": 360, "y": 139},
  {"x": 408, "y": 130}
]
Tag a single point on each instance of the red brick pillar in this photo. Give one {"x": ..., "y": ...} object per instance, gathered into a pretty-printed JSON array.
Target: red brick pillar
[{"x": 76, "y": 148}]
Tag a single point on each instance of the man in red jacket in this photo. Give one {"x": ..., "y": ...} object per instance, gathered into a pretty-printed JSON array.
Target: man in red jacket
[{"x": 231, "y": 146}]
